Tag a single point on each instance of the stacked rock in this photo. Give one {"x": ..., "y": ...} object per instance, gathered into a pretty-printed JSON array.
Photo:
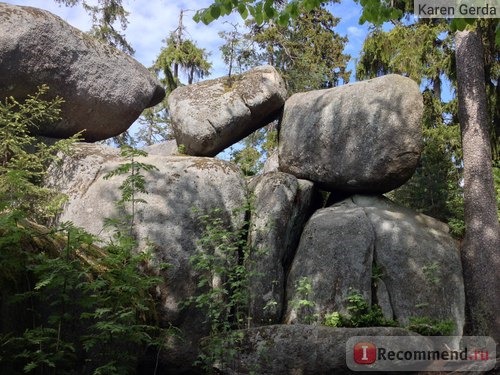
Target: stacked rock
[{"x": 355, "y": 141}]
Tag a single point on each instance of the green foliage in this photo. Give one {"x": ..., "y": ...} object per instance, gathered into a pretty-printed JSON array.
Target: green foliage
[
  {"x": 361, "y": 314},
  {"x": 73, "y": 308},
  {"x": 96, "y": 315},
  {"x": 307, "y": 52},
  {"x": 303, "y": 289},
  {"x": 105, "y": 14},
  {"x": 303, "y": 301},
  {"x": 496, "y": 177},
  {"x": 333, "y": 319},
  {"x": 429, "y": 327},
  {"x": 261, "y": 11},
  {"x": 380, "y": 11},
  {"x": 22, "y": 171},
  {"x": 222, "y": 261},
  {"x": 248, "y": 159},
  {"x": 238, "y": 51},
  {"x": 181, "y": 149},
  {"x": 419, "y": 51},
  {"x": 133, "y": 184},
  {"x": 154, "y": 126},
  {"x": 185, "y": 54},
  {"x": 256, "y": 148}
]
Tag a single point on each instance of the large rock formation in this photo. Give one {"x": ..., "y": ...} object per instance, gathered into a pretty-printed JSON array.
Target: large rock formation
[
  {"x": 104, "y": 89},
  {"x": 209, "y": 116},
  {"x": 301, "y": 349},
  {"x": 281, "y": 206},
  {"x": 371, "y": 244},
  {"x": 364, "y": 137},
  {"x": 167, "y": 223}
]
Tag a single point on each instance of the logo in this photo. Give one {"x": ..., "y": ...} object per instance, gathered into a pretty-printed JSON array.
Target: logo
[
  {"x": 365, "y": 353},
  {"x": 420, "y": 353}
]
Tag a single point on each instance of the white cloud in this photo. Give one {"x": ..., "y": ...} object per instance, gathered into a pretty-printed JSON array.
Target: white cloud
[{"x": 354, "y": 31}]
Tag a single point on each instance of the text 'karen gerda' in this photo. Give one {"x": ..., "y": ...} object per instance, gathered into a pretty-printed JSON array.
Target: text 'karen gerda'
[{"x": 452, "y": 9}]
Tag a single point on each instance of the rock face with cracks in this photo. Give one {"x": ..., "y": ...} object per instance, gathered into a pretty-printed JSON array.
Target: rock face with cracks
[
  {"x": 209, "y": 116},
  {"x": 281, "y": 206},
  {"x": 364, "y": 137},
  {"x": 104, "y": 90},
  {"x": 418, "y": 268}
]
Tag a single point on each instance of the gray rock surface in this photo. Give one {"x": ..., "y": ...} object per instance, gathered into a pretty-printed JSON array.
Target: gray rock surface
[
  {"x": 364, "y": 137},
  {"x": 104, "y": 89},
  {"x": 300, "y": 349},
  {"x": 282, "y": 204},
  {"x": 334, "y": 256},
  {"x": 418, "y": 263},
  {"x": 272, "y": 163},
  {"x": 210, "y": 116},
  {"x": 167, "y": 148},
  {"x": 166, "y": 223}
]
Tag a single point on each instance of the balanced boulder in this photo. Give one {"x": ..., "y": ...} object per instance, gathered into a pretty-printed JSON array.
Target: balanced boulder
[
  {"x": 364, "y": 137},
  {"x": 104, "y": 90},
  {"x": 209, "y": 116}
]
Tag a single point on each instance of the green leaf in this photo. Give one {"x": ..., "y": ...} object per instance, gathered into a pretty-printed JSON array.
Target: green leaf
[
  {"x": 227, "y": 7},
  {"x": 395, "y": 13},
  {"x": 30, "y": 366},
  {"x": 43, "y": 283},
  {"x": 311, "y": 4},
  {"x": 197, "y": 16},
  {"x": 242, "y": 9},
  {"x": 268, "y": 9},
  {"x": 215, "y": 11},
  {"x": 206, "y": 17},
  {"x": 293, "y": 10},
  {"x": 457, "y": 24},
  {"x": 259, "y": 17}
]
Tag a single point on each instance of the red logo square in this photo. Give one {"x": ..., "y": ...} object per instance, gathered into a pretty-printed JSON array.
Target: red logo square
[{"x": 365, "y": 353}]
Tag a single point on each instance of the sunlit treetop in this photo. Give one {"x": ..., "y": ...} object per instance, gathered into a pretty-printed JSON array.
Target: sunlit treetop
[{"x": 281, "y": 11}]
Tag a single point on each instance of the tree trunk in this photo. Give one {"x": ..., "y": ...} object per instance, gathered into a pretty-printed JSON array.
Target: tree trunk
[{"x": 481, "y": 246}]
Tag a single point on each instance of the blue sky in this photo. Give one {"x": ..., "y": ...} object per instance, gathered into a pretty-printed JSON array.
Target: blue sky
[{"x": 151, "y": 21}]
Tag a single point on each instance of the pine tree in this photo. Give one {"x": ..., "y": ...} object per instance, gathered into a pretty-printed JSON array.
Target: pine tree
[
  {"x": 105, "y": 14},
  {"x": 307, "y": 52}
]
